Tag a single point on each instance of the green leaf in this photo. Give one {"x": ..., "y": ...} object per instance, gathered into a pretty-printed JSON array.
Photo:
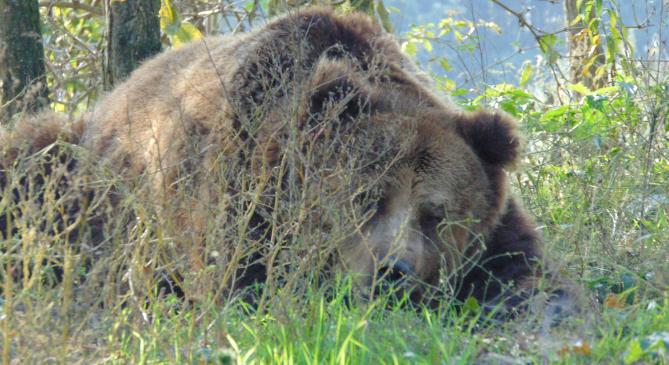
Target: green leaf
[
  {"x": 547, "y": 46},
  {"x": 656, "y": 344},
  {"x": 428, "y": 45},
  {"x": 579, "y": 88},
  {"x": 459, "y": 92},
  {"x": 447, "y": 85},
  {"x": 167, "y": 14},
  {"x": 177, "y": 31},
  {"x": 446, "y": 23},
  {"x": 445, "y": 65},
  {"x": 607, "y": 90},
  {"x": 598, "y": 6},
  {"x": 462, "y": 23},
  {"x": 634, "y": 352},
  {"x": 409, "y": 48},
  {"x": 596, "y": 102},
  {"x": 250, "y": 5},
  {"x": 525, "y": 74},
  {"x": 509, "y": 106},
  {"x": 576, "y": 20},
  {"x": 471, "y": 305},
  {"x": 186, "y": 32},
  {"x": 547, "y": 41},
  {"x": 496, "y": 28},
  {"x": 555, "y": 113}
]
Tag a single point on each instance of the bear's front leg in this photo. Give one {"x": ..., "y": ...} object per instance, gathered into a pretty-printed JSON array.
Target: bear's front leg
[{"x": 509, "y": 272}]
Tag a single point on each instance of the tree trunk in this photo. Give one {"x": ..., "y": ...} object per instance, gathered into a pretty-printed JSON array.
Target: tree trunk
[
  {"x": 22, "y": 70},
  {"x": 134, "y": 35},
  {"x": 584, "y": 57}
]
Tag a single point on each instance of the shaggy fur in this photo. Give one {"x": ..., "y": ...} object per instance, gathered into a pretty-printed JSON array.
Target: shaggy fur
[{"x": 235, "y": 125}]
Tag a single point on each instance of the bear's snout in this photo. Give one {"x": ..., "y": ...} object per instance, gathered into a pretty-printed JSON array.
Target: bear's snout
[
  {"x": 399, "y": 278},
  {"x": 395, "y": 274}
]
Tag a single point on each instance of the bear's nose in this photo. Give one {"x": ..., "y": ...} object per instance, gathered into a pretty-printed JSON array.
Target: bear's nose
[{"x": 395, "y": 274}]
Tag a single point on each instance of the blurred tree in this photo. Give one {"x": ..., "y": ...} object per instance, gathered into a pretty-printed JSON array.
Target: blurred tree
[
  {"x": 585, "y": 46},
  {"x": 133, "y": 35},
  {"x": 74, "y": 43},
  {"x": 22, "y": 71}
]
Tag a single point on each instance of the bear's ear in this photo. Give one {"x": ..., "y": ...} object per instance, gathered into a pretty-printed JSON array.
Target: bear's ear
[
  {"x": 335, "y": 94},
  {"x": 493, "y": 136}
]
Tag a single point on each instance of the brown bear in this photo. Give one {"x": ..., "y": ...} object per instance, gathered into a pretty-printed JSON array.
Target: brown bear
[{"x": 313, "y": 142}]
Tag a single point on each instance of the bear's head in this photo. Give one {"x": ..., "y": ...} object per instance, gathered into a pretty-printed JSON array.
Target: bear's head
[{"x": 434, "y": 181}]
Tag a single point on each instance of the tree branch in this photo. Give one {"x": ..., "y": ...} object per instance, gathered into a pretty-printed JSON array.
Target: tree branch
[
  {"x": 521, "y": 19},
  {"x": 72, "y": 5},
  {"x": 537, "y": 34}
]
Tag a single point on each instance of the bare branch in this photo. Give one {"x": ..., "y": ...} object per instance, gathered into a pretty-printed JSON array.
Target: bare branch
[
  {"x": 537, "y": 34},
  {"x": 72, "y": 5}
]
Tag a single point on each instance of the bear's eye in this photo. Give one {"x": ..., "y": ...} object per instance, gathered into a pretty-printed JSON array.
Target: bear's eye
[{"x": 431, "y": 217}]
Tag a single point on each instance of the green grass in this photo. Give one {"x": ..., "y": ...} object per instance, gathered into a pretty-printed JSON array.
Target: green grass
[{"x": 320, "y": 331}]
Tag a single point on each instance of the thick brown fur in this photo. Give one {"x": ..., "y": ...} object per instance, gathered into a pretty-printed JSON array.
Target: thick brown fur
[
  {"x": 33, "y": 135},
  {"x": 325, "y": 82}
]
